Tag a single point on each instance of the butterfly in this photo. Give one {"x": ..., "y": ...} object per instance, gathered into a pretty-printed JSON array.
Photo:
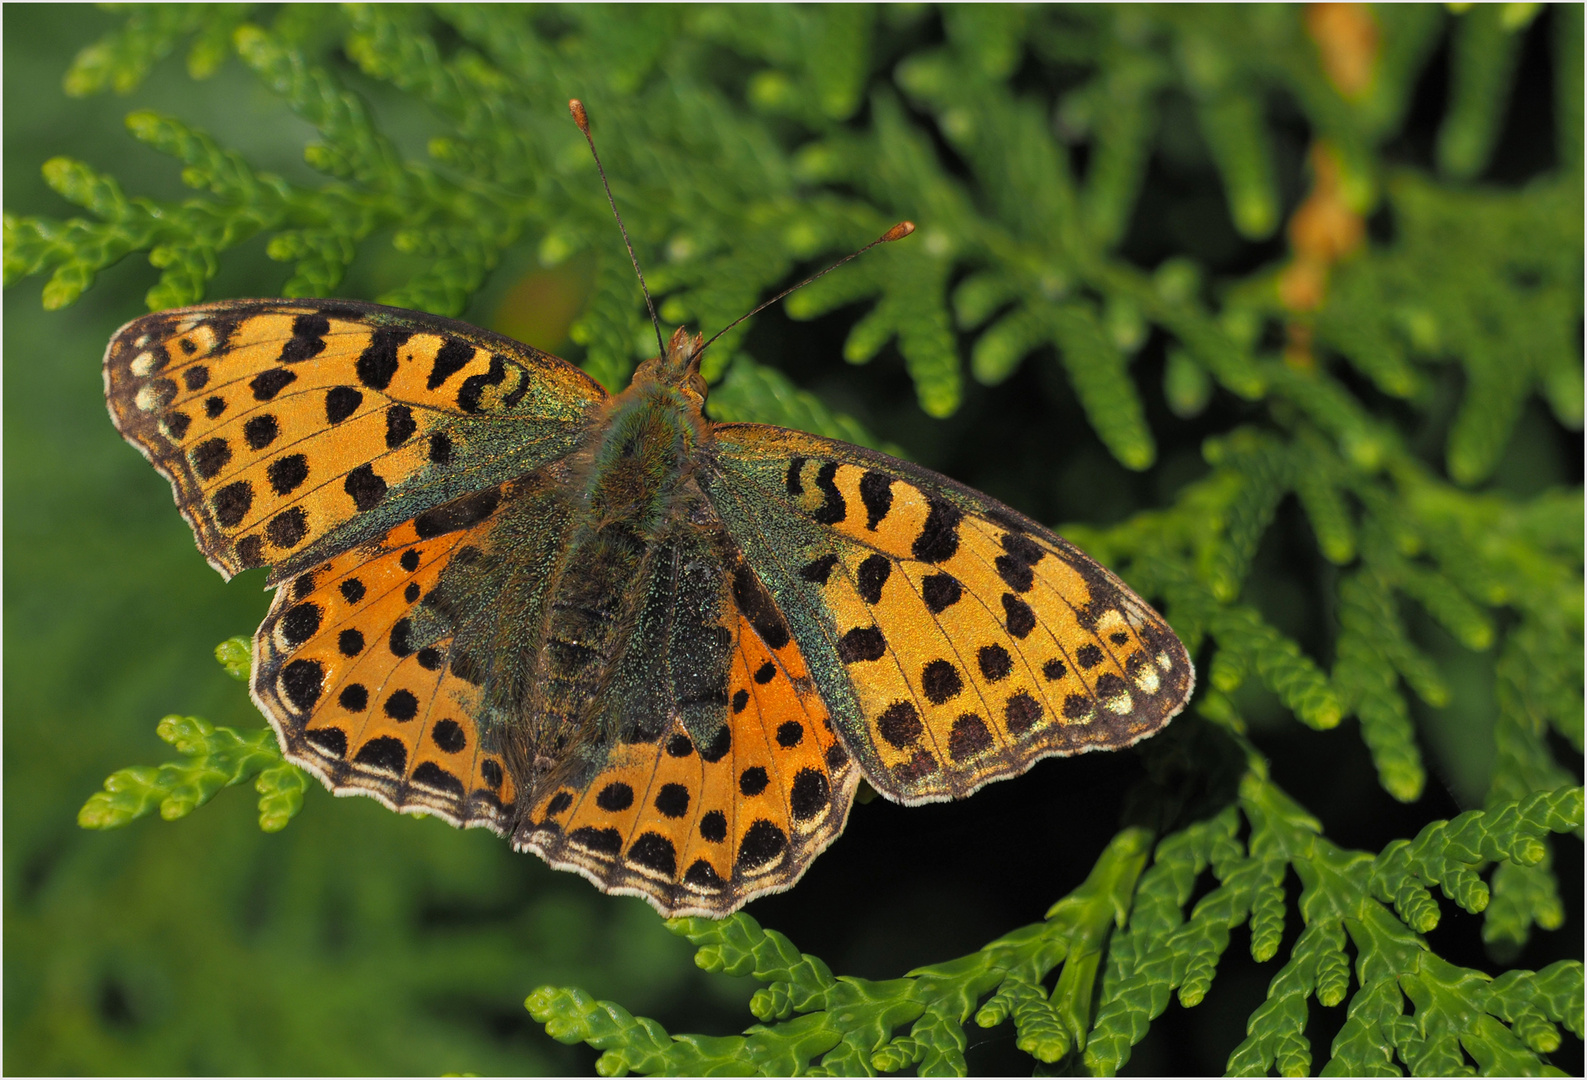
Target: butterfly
[{"x": 656, "y": 650}]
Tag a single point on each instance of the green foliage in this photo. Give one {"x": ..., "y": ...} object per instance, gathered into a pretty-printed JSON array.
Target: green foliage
[
  {"x": 815, "y": 1023},
  {"x": 217, "y": 757},
  {"x": 1358, "y": 520}
]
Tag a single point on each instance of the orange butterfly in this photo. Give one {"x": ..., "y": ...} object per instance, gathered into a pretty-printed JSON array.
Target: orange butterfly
[{"x": 653, "y": 649}]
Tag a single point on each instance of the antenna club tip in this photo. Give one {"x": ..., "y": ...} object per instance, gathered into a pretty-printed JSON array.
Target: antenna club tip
[
  {"x": 580, "y": 117},
  {"x": 898, "y": 232}
]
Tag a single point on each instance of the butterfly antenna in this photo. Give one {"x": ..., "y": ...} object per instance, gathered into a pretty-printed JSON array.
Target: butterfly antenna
[
  {"x": 581, "y": 118},
  {"x": 897, "y": 232}
]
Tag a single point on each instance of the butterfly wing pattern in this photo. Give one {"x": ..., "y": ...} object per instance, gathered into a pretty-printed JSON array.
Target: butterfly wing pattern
[
  {"x": 955, "y": 641},
  {"x": 340, "y": 443},
  {"x": 656, "y": 651}
]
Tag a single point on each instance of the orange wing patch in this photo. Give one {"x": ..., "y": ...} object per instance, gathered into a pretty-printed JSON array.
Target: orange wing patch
[
  {"x": 704, "y": 825},
  {"x": 270, "y": 454},
  {"x": 977, "y": 646},
  {"x": 363, "y": 701}
]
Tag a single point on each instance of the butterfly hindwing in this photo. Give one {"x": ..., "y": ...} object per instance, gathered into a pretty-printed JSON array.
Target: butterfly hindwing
[
  {"x": 955, "y": 641},
  {"x": 726, "y": 776},
  {"x": 357, "y": 674},
  {"x": 291, "y": 430}
]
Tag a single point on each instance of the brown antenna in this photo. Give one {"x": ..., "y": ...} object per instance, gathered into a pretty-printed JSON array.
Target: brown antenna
[
  {"x": 897, "y": 232},
  {"x": 576, "y": 107}
]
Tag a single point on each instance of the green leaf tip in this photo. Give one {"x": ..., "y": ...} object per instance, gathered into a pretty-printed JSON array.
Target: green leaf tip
[
  {"x": 216, "y": 758},
  {"x": 235, "y": 654}
]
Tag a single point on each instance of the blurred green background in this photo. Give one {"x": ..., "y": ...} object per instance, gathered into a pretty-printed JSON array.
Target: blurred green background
[{"x": 359, "y": 941}]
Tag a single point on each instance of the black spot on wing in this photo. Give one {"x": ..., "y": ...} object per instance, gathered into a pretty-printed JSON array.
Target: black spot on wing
[
  {"x": 713, "y": 826},
  {"x": 939, "y": 536},
  {"x": 941, "y": 681},
  {"x": 440, "y": 448},
  {"x": 301, "y": 622},
  {"x": 210, "y": 457},
  {"x": 260, "y": 431},
  {"x": 876, "y": 492},
  {"x": 377, "y": 364},
  {"x": 1022, "y": 712},
  {"x": 758, "y": 607},
  {"x": 473, "y": 389},
  {"x": 818, "y": 570},
  {"x": 301, "y": 682},
  {"x": 872, "y": 575},
  {"x": 900, "y": 724},
  {"x": 1023, "y": 548},
  {"x": 763, "y": 843},
  {"x": 968, "y": 737},
  {"x": 250, "y": 551},
  {"x": 176, "y": 424},
  {"x": 365, "y": 487},
  {"x": 332, "y": 741},
  {"x": 267, "y": 384},
  {"x": 995, "y": 662},
  {"x": 449, "y": 360},
  {"x": 232, "y": 503},
  {"x": 432, "y": 775},
  {"x": 288, "y": 528},
  {"x": 654, "y": 852},
  {"x": 601, "y": 841},
  {"x": 940, "y": 591},
  {"x": 458, "y": 514},
  {"x": 307, "y": 338},
  {"x": 341, "y": 402},
  {"x": 287, "y": 474},
  {"x": 834, "y": 509},
  {"x": 1015, "y": 574},
  {"x": 1020, "y": 619},
  {"x": 863, "y": 643},
  {"x": 809, "y": 794},
  {"x": 400, "y": 426}
]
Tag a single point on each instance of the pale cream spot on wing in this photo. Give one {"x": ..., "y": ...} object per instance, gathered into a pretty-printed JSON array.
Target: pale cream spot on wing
[{"x": 149, "y": 398}]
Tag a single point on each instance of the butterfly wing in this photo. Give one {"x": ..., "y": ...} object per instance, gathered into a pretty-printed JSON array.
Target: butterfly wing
[
  {"x": 360, "y": 670},
  {"x": 293, "y": 430},
  {"x": 955, "y": 641},
  {"x": 724, "y": 776}
]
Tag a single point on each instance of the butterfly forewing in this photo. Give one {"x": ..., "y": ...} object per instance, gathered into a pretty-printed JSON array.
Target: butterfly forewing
[
  {"x": 291, "y": 430},
  {"x": 956, "y": 641}
]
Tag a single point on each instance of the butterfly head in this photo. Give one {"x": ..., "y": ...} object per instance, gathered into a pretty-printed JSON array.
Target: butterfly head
[{"x": 678, "y": 367}]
